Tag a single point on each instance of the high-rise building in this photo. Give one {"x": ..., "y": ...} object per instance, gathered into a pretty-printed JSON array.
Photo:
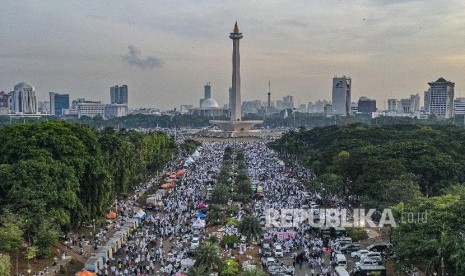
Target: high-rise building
[
  {"x": 342, "y": 89},
  {"x": 288, "y": 102},
  {"x": 459, "y": 106},
  {"x": 119, "y": 94},
  {"x": 207, "y": 90},
  {"x": 58, "y": 103},
  {"x": 393, "y": 105},
  {"x": 4, "y": 103},
  {"x": 24, "y": 99},
  {"x": 366, "y": 105},
  {"x": 410, "y": 105},
  {"x": 441, "y": 96},
  {"x": 426, "y": 100}
]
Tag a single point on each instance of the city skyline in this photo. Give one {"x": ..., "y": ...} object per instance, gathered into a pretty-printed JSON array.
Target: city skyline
[{"x": 169, "y": 50}]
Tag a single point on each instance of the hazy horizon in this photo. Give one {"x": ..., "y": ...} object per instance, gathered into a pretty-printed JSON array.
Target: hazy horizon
[{"x": 165, "y": 51}]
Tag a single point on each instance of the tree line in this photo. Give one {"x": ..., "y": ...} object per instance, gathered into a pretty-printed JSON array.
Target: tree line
[
  {"x": 419, "y": 170},
  {"x": 56, "y": 176}
]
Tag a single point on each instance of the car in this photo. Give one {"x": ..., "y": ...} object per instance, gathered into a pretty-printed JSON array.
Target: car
[
  {"x": 278, "y": 251},
  {"x": 379, "y": 247},
  {"x": 270, "y": 261},
  {"x": 366, "y": 261},
  {"x": 349, "y": 248},
  {"x": 194, "y": 243},
  {"x": 266, "y": 250},
  {"x": 372, "y": 255},
  {"x": 359, "y": 253}
]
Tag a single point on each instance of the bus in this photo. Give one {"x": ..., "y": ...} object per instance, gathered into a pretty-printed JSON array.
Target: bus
[{"x": 370, "y": 270}]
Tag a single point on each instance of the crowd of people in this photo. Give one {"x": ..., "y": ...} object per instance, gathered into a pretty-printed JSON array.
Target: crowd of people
[{"x": 161, "y": 243}]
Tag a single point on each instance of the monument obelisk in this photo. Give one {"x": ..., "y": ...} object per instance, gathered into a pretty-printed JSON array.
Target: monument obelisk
[
  {"x": 235, "y": 127},
  {"x": 235, "y": 103}
]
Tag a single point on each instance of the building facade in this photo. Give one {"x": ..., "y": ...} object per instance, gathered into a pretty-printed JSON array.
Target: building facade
[
  {"x": 366, "y": 105},
  {"x": 459, "y": 106},
  {"x": 5, "y": 100},
  {"x": 24, "y": 99},
  {"x": 58, "y": 103},
  {"x": 90, "y": 109},
  {"x": 119, "y": 94},
  {"x": 115, "y": 110},
  {"x": 393, "y": 105},
  {"x": 441, "y": 98},
  {"x": 341, "y": 95}
]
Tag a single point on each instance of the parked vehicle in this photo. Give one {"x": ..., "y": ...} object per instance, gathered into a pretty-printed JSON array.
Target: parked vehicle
[
  {"x": 372, "y": 255},
  {"x": 366, "y": 270},
  {"x": 366, "y": 261},
  {"x": 379, "y": 247},
  {"x": 278, "y": 251},
  {"x": 341, "y": 260},
  {"x": 349, "y": 248},
  {"x": 359, "y": 253}
]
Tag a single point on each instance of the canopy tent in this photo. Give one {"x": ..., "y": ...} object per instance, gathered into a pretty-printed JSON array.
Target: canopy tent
[
  {"x": 259, "y": 189},
  {"x": 173, "y": 176},
  {"x": 180, "y": 173},
  {"x": 111, "y": 215},
  {"x": 198, "y": 223},
  {"x": 166, "y": 186},
  {"x": 139, "y": 213},
  {"x": 200, "y": 216},
  {"x": 196, "y": 154},
  {"x": 188, "y": 262},
  {"x": 202, "y": 205},
  {"x": 190, "y": 160},
  {"x": 86, "y": 273}
]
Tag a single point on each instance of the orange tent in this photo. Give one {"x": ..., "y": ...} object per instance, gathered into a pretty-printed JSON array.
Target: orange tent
[
  {"x": 111, "y": 215},
  {"x": 180, "y": 172},
  {"x": 86, "y": 273},
  {"x": 165, "y": 186}
]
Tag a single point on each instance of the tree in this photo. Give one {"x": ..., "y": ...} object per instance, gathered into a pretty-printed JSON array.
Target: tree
[
  {"x": 47, "y": 236},
  {"x": 11, "y": 235},
  {"x": 5, "y": 265},
  {"x": 208, "y": 255},
  {"x": 230, "y": 268},
  {"x": 220, "y": 194},
  {"x": 250, "y": 228}
]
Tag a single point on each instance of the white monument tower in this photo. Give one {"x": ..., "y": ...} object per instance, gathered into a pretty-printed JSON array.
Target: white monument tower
[
  {"x": 235, "y": 103},
  {"x": 235, "y": 126}
]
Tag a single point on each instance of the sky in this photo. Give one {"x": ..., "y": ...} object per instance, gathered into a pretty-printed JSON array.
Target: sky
[{"x": 165, "y": 51}]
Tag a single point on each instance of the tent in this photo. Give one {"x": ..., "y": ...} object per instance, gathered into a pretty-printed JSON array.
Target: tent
[
  {"x": 86, "y": 273},
  {"x": 180, "y": 172},
  {"x": 188, "y": 262},
  {"x": 111, "y": 215},
  {"x": 139, "y": 214},
  {"x": 190, "y": 160},
  {"x": 198, "y": 223},
  {"x": 196, "y": 154},
  {"x": 201, "y": 216},
  {"x": 166, "y": 186},
  {"x": 202, "y": 205}
]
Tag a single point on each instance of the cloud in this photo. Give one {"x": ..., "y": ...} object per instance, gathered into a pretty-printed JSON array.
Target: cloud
[{"x": 133, "y": 57}]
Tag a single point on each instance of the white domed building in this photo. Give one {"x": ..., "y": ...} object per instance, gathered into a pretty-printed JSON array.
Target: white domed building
[{"x": 210, "y": 108}]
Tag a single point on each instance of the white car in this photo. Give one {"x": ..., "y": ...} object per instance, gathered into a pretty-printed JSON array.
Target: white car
[
  {"x": 372, "y": 255},
  {"x": 366, "y": 261},
  {"x": 358, "y": 254},
  {"x": 278, "y": 251},
  {"x": 194, "y": 243}
]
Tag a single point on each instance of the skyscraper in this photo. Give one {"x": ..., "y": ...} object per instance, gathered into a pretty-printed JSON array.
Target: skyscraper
[
  {"x": 207, "y": 89},
  {"x": 24, "y": 99},
  {"x": 342, "y": 87},
  {"x": 441, "y": 98},
  {"x": 119, "y": 94},
  {"x": 58, "y": 102},
  {"x": 4, "y": 103}
]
